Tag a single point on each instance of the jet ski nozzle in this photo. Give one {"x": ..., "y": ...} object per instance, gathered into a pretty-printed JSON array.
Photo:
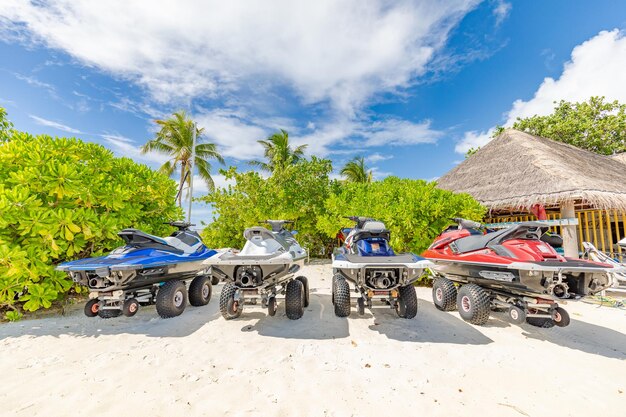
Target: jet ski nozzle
[{"x": 96, "y": 282}]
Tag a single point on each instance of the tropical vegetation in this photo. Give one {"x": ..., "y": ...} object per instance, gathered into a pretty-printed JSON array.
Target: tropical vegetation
[
  {"x": 595, "y": 125},
  {"x": 62, "y": 199},
  {"x": 356, "y": 171},
  {"x": 175, "y": 139},
  {"x": 278, "y": 152}
]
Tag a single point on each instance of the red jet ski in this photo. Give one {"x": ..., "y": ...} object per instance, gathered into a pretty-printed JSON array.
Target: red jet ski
[{"x": 511, "y": 268}]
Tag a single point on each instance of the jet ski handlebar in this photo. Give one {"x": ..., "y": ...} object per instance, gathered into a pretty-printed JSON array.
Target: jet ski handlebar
[
  {"x": 180, "y": 225},
  {"x": 466, "y": 224},
  {"x": 277, "y": 225}
]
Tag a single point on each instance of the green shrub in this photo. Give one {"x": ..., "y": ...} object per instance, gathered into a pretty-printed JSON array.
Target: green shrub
[
  {"x": 63, "y": 199},
  {"x": 415, "y": 211},
  {"x": 297, "y": 193}
]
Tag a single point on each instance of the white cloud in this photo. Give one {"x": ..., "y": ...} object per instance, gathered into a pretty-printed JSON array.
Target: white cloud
[
  {"x": 54, "y": 125},
  {"x": 340, "y": 52},
  {"x": 596, "y": 68},
  {"x": 376, "y": 157},
  {"x": 397, "y": 132},
  {"x": 237, "y": 137},
  {"x": 473, "y": 139},
  {"x": 122, "y": 146},
  {"x": 501, "y": 11}
]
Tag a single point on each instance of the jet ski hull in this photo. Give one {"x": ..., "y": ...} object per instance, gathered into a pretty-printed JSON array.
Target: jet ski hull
[
  {"x": 547, "y": 279},
  {"x": 380, "y": 273}
]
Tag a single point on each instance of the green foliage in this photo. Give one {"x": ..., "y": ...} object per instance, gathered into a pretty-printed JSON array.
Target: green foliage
[
  {"x": 415, "y": 211},
  {"x": 5, "y": 125},
  {"x": 471, "y": 151},
  {"x": 279, "y": 153},
  {"x": 175, "y": 139},
  {"x": 594, "y": 125},
  {"x": 356, "y": 171},
  {"x": 13, "y": 315},
  {"x": 64, "y": 199},
  {"x": 297, "y": 194}
]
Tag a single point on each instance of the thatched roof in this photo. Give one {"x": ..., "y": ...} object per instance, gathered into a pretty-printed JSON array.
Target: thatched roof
[
  {"x": 620, "y": 157},
  {"x": 516, "y": 170}
]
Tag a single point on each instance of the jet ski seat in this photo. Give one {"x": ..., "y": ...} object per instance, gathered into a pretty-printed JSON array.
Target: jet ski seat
[
  {"x": 137, "y": 237},
  {"x": 476, "y": 242}
]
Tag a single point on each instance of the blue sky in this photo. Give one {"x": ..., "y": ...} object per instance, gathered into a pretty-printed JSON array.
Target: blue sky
[{"x": 408, "y": 84}]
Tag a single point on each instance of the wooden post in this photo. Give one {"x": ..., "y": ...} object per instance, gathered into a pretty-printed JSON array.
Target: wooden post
[{"x": 570, "y": 240}]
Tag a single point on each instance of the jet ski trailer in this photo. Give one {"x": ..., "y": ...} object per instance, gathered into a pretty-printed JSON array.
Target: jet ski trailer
[
  {"x": 146, "y": 270},
  {"x": 264, "y": 268},
  {"x": 512, "y": 268},
  {"x": 380, "y": 276}
]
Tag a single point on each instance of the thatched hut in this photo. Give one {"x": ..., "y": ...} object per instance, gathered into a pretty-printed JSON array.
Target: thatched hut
[{"x": 516, "y": 171}]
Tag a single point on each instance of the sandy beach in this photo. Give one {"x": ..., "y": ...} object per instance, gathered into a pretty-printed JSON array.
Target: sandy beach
[{"x": 321, "y": 365}]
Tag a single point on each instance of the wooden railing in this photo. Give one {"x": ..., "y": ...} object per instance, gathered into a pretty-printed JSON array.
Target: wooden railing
[{"x": 603, "y": 228}]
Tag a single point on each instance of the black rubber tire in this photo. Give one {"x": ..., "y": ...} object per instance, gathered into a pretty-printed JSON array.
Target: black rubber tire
[
  {"x": 91, "y": 308},
  {"x": 560, "y": 317},
  {"x": 407, "y": 302},
  {"x": 360, "y": 306},
  {"x": 516, "y": 315},
  {"x": 130, "y": 307},
  {"x": 200, "y": 291},
  {"x": 342, "y": 297},
  {"x": 474, "y": 304},
  {"x": 332, "y": 289},
  {"x": 294, "y": 299},
  {"x": 214, "y": 280},
  {"x": 169, "y": 295},
  {"x": 543, "y": 322},
  {"x": 109, "y": 313},
  {"x": 444, "y": 294},
  {"x": 271, "y": 306},
  {"x": 227, "y": 299},
  {"x": 305, "y": 283}
]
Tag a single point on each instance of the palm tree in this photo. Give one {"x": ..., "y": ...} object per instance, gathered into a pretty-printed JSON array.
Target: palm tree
[
  {"x": 356, "y": 171},
  {"x": 278, "y": 152},
  {"x": 175, "y": 138}
]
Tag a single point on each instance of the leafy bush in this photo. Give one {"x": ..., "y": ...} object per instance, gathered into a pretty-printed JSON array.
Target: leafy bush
[
  {"x": 63, "y": 199},
  {"x": 297, "y": 193},
  {"x": 415, "y": 211}
]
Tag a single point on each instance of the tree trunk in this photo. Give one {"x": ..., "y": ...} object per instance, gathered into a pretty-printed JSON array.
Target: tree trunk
[{"x": 181, "y": 184}]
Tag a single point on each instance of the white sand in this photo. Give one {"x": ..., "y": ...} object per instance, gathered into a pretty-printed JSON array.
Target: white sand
[{"x": 321, "y": 365}]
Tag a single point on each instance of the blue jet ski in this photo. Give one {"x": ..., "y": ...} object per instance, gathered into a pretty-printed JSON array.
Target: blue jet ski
[
  {"x": 146, "y": 270},
  {"x": 379, "y": 274}
]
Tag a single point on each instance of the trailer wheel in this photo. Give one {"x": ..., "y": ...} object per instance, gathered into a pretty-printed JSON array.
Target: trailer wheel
[
  {"x": 560, "y": 317},
  {"x": 406, "y": 307},
  {"x": 109, "y": 313},
  {"x": 517, "y": 315},
  {"x": 341, "y": 291},
  {"x": 91, "y": 308},
  {"x": 230, "y": 308},
  {"x": 200, "y": 291},
  {"x": 171, "y": 299},
  {"x": 215, "y": 280},
  {"x": 294, "y": 299},
  {"x": 130, "y": 307},
  {"x": 271, "y": 306},
  {"x": 305, "y": 284},
  {"x": 474, "y": 304},
  {"x": 444, "y": 294}
]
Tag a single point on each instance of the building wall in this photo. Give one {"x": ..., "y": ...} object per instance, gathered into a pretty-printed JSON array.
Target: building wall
[{"x": 603, "y": 228}]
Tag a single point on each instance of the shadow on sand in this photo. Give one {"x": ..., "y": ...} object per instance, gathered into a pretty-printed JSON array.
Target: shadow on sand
[
  {"x": 429, "y": 326},
  {"x": 145, "y": 322},
  {"x": 579, "y": 335}
]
